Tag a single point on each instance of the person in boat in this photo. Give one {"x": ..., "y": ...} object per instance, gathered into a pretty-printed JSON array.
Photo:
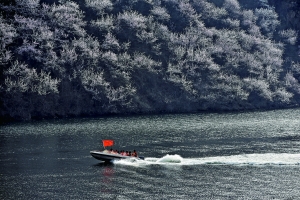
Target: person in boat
[
  {"x": 134, "y": 153},
  {"x": 115, "y": 151},
  {"x": 106, "y": 151}
]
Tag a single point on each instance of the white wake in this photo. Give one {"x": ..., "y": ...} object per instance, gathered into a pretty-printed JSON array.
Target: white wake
[{"x": 243, "y": 159}]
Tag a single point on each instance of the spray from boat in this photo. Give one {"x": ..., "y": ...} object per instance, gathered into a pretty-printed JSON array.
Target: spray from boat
[{"x": 266, "y": 159}]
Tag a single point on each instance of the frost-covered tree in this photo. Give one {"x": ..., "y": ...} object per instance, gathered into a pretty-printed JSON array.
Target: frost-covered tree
[
  {"x": 93, "y": 82},
  {"x": 232, "y": 6},
  {"x": 99, "y": 6},
  {"x": 110, "y": 42},
  {"x": 68, "y": 17},
  {"x": 160, "y": 13},
  {"x": 249, "y": 18},
  {"x": 132, "y": 20},
  {"x": 290, "y": 36},
  {"x": 267, "y": 19},
  {"x": 8, "y": 34},
  {"x": 209, "y": 11},
  {"x": 28, "y": 7},
  {"x": 187, "y": 10},
  {"x": 20, "y": 78},
  {"x": 292, "y": 83},
  {"x": 104, "y": 24},
  {"x": 142, "y": 61}
]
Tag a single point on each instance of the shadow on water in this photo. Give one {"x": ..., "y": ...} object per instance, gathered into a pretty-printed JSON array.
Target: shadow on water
[{"x": 104, "y": 164}]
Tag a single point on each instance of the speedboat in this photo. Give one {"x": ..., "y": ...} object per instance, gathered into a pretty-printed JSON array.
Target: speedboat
[{"x": 107, "y": 156}]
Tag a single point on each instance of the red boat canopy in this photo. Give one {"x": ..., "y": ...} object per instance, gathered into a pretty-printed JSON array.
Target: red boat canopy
[{"x": 107, "y": 143}]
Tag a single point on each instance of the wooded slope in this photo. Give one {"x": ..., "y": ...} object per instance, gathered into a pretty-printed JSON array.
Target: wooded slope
[{"x": 67, "y": 58}]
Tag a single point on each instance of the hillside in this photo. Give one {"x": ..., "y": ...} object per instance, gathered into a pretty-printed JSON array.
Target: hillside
[{"x": 90, "y": 58}]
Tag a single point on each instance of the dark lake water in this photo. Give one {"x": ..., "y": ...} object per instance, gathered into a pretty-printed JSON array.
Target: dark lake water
[{"x": 253, "y": 155}]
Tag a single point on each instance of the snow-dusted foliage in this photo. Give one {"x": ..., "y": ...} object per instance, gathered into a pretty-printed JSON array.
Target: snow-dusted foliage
[
  {"x": 289, "y": 35},
  {"x": 110, "y": 42},
  {"x": 28, "y": 7},
  {"x": 68, "y": 17},
  {"x": 8, "y": 34},
  {"x": 292, "y": 83},
  {"x": 140, "y": 60},
  {"x": 20, "y": 78},
  {"x": 105, "y": 23},
  {"x": 186, "y": 9},
  {"x": 99, "y": 6},
  {"x": 232, "y": 5},
  {"x": 132, "y": 19},
  {"x": 209, "y": 10},
  {"x": 160, "y": 13},
  {"x": 249, "y": 18},
  {"x": 99, "y": 57},
  {"x": 267, "y": 19},
  {"x": 93, "y": 81}
]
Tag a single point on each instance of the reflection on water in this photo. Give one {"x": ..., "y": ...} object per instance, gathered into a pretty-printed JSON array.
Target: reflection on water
[
  {"x": 107, "y": 178},
  {"x": 187, "y": 156}
]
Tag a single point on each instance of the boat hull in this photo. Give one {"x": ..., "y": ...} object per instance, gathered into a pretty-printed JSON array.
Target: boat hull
[{"x": 108, "y": 157}]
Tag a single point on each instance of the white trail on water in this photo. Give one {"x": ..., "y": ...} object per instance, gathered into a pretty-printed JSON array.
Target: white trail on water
[{"x": 243, "y": 159}]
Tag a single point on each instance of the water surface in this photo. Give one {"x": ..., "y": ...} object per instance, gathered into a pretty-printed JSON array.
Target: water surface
[{"x": 253, "y": 155}]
